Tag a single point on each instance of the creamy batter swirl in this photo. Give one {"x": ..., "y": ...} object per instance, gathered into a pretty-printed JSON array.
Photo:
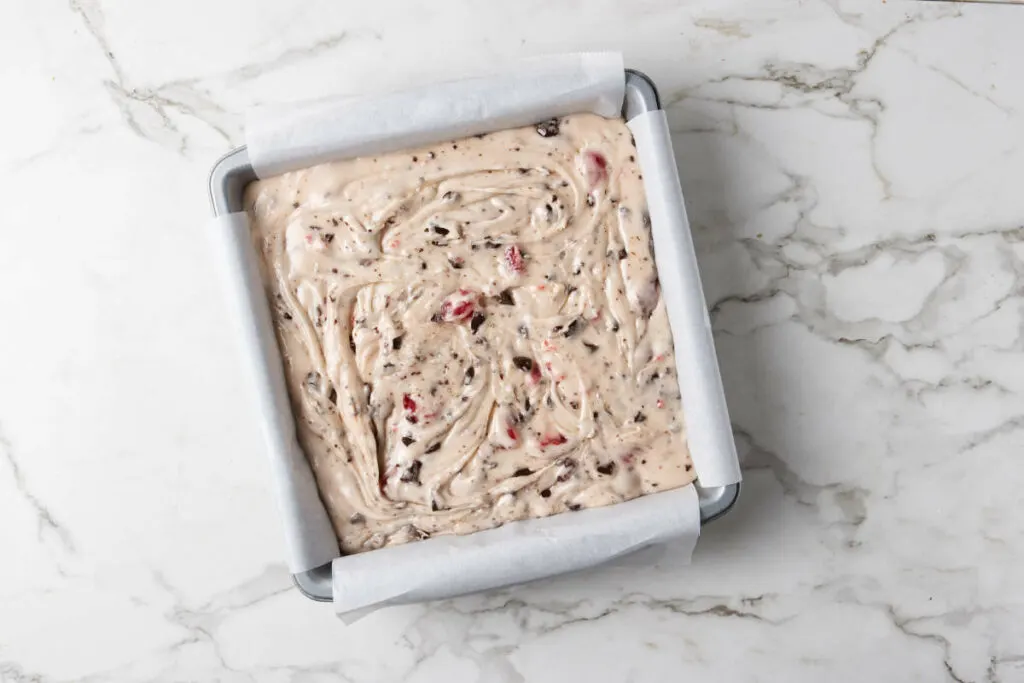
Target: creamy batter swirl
[{"x": 473, "y": 332}]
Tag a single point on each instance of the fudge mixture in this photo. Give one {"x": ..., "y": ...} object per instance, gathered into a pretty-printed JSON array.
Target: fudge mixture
[{"x": 473, "y": 332}]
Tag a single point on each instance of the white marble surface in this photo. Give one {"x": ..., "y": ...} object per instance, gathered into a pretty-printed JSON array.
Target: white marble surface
[{"x": 853, "y": 171}]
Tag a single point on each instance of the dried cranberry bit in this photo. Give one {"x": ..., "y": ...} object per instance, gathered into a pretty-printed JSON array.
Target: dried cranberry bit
[
  {"x": 458, "y": 307},
  {"x": 556, "y": 440},
  {"x": 535, "y": 374},
  {"x": 512, "y": 434},
  {"x": 595, "y": 168},
  {"x": 514, "y": 260},
  {"x": 408, "y": 403}
]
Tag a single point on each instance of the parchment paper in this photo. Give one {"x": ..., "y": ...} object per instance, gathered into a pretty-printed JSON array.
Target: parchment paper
[
  {"x": 709, "y": 431},
  {"x": 446, "y": 566},
  {"x": 286, "y": 138},
  {"x": 309, "y": 537}
]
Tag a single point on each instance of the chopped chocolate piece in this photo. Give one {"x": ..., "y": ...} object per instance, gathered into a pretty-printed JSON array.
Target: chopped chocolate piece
[
  {"x": 573, "y": 327},
  {"x": 357, "y": 518},
  {"x": 470, "y": 372},
  {"x": 623, "y": 254},
  {"x": 441, "y": 231},
  {"x": 523, "y": 363},
  {"x": 433, "y": 448},
  {"x": 639, "y": 417},
  {"x": 412, "y": 474},
  {"x": 606, "y": 468},
  {"x": 477, "y": 321},
  {"x": 548, "y": 128},
  {"x": 522, "y": 472},
  {"x": 591, "y": 347},
  {"x": 408, "y": 440},
  {"x": 396, "y": 343},
  {"x": 546, "y": 493},
  {"x": 505, "y": 298}
]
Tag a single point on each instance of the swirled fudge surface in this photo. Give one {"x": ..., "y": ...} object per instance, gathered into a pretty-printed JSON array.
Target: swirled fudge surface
[{"x": 473, "y": 332}]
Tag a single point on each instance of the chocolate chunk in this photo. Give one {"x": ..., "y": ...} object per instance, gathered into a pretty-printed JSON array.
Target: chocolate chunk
[
  {"x": 295, "y": 205},
  {"x": 647, "y": 220},
  {"x": 590, "y": 347},
  {"x": 455, "y": 262},
  {"x": 548, "y": 128},
  {"x": 574, "y": 506},
  {"x": 396, "y": 343},
  {"x": 357, "y": 518},
  {"x": 639, "y": 417},
  {"x": 408, "y": 440},
  {"x": 505, "y": 298},
  {"x": 441, "y": 231},
  {"x": 606, "y": 468},
  {"x": 436, "y": 318},
  {"x": 434, "y": 448},
  {"x": 491, "y": 244},
  {"x": 327, "y": 237},
  {"x": 573, "y": 327},
  {"x": 590, "y": 200},
  {"x": 526, "y": 404},
  {"x": 313, "y": 381},
  {"x": 333, "y": 397},
  {"x": 470, "y": 373},
  {"x": 522, "y": 472},
  {"x": 433, "y": 506},
  {"x": 412, "y": 475},
  {"x": 546, "y": 493},
  {"x": 286, "y": 315},
  {"x": 523, "y": 363},
  {"x": 477, "y": 320},
  {"x": 523, "y": 331},
  {"x": 623, "y": 254},
  {"x": 615, "y": 326}
]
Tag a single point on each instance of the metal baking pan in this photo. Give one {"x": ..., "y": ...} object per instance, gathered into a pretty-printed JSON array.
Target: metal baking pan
[{"x": 233, "y": 172}]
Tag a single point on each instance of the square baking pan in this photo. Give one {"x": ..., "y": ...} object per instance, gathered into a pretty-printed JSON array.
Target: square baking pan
[{"x": 233, "y": 172}]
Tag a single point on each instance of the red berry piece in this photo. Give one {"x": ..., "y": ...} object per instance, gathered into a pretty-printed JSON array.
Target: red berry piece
[
  {"x": 555, "y": 440},
  {"x": 595, "y": 168},
  {"x": 458, "y": 307},
  {"x": 514, "y": 260}
]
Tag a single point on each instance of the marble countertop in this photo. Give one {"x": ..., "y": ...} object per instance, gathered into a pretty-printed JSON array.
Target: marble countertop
[{"x": 853, "y": 174}]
